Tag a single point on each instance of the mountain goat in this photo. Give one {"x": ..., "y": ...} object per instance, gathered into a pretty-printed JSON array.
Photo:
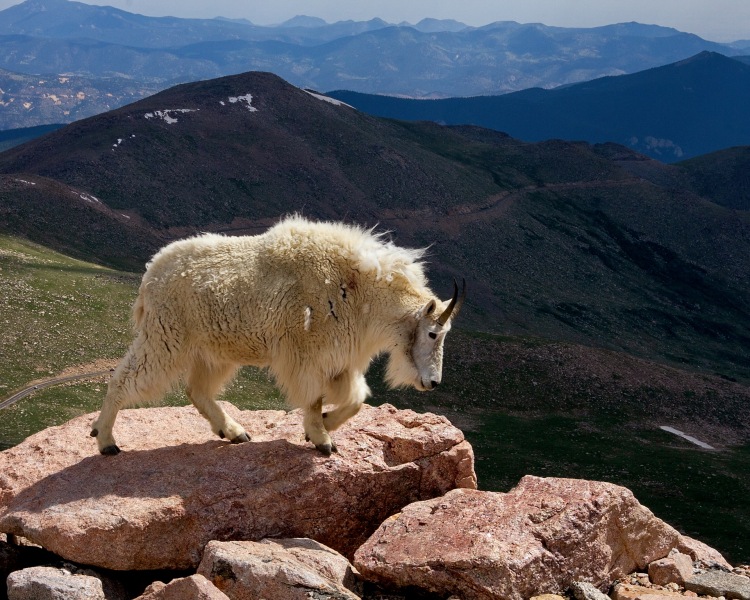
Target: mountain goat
[{"x": 313, "y": 302}]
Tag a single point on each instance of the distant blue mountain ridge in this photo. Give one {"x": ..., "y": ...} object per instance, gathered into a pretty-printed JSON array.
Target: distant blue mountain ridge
[
  {"x": 434, "y": 58},
  {"x": 62, "y": 61},
  {"x": 671, "y": 113}
]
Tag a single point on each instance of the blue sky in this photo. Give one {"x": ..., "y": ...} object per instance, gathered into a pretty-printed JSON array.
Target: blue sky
[{"x": 717, "y": 20}]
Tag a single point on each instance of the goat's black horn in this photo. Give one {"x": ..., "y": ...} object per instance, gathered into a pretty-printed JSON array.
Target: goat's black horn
[{"x": 455, "y": 304}]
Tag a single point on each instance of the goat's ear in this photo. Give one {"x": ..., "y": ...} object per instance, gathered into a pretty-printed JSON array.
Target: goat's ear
[{"x": 429, "y": 308}]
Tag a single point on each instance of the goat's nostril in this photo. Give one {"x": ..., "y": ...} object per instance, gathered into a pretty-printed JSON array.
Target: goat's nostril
[{"x": 434, "y": 384}]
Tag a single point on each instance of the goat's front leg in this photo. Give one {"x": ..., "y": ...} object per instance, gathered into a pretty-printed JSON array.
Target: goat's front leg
[
  {"x": 347, "y": 392},
  {"x": 315, "y": 430}
]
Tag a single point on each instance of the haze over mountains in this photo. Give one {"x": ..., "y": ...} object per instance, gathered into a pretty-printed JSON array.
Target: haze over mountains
[
  {"x": 593, "y": 244},
  {"x": 64, "y": 60}
]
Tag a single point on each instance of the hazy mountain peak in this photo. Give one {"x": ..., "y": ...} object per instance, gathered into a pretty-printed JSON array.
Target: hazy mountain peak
[
  {"x": 304, "y": 21},
  {"x": 672, "y": 112},
  {"x": 706, "y": 56},
  {"x": 430, "y": 25},
  {"x": 44, "y": 4},
  {"x": 634, "y": 28}
]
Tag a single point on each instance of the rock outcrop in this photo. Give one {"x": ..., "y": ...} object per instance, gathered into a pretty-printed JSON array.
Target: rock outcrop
[
  {"x": 541, "y": 537},
  {"x": 177, "y": 487},
  {"x": 275, "y": 519}
]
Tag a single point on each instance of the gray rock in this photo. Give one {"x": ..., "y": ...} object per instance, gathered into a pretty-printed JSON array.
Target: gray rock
[
  {"x": 14, "y": 557},
  {"x": 719, "y": 583},
  {"x": 285, "y": 569},
  {"x": 582, "y": 590},
  {"x": 113, "y": 588},
  {"x": 49, "y": 583}
]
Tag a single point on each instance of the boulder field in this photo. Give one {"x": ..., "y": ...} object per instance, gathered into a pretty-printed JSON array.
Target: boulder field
[{"x": 396, "y": 513}]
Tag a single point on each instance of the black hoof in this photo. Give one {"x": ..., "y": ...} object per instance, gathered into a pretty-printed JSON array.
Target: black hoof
[
  {"x": 110, "y": 450},
  {"x": 307, "y": 438},
  {"x": 326, "y": 449},
  {"x": 94, "y": 432},
  {"x": 243, "y": 437},
  {"x": 221, "y": 434}
]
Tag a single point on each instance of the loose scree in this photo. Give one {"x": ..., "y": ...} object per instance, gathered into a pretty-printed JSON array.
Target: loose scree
[{"x": 313, "y": 302}]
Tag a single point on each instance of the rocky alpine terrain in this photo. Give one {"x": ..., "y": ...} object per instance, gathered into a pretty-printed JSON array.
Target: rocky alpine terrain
[
  {"x": 395, "y": 514},
  {"x": 608, "y": 296}
]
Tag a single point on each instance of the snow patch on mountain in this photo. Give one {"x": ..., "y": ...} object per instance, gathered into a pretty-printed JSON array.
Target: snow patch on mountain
[
  {"x": 689, "y": 438},
  {"x": 119, "y": 141},
  {"x": 328, "y": 99},
  {"x": 168, "y": 115},
  {"x": 88, "y": 198},
  {"x": 247, "y": 99}
]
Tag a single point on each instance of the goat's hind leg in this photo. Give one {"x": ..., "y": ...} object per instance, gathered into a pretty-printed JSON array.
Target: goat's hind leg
[
  {"x": 204, "y": 382},
  {"x": 134, "y": 381}
]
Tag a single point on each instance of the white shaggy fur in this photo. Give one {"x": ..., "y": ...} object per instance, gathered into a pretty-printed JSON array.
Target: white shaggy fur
[{"x": 312, "y": 302}]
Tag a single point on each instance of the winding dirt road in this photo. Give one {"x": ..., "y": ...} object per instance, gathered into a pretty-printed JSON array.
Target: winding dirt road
[{"x": 45, "y": 383}]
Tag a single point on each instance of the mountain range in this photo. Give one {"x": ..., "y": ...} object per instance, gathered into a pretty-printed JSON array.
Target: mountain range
[
  {"x": 674, "y": 112},
  {"x": 592, "y": 244},
  {"x": 111, "y": 57}
]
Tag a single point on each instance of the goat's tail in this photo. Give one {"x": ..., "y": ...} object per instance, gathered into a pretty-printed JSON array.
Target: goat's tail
[{"x": 139, "y": 311}]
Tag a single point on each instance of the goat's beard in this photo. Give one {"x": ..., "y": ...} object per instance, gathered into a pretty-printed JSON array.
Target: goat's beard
[{"x": 401, "y": 370}]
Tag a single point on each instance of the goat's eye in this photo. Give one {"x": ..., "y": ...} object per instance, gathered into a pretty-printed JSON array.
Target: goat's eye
[{"x": 432, "y": 334}]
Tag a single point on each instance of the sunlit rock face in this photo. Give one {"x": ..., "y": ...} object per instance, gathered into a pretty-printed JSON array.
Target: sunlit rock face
[{"x": 176, "y": 486}]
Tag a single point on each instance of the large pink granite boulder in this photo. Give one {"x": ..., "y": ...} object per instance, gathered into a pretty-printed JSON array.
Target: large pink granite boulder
[
  {"x": 176, "y": 486},
  {"x": 538, "y": 538}
]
